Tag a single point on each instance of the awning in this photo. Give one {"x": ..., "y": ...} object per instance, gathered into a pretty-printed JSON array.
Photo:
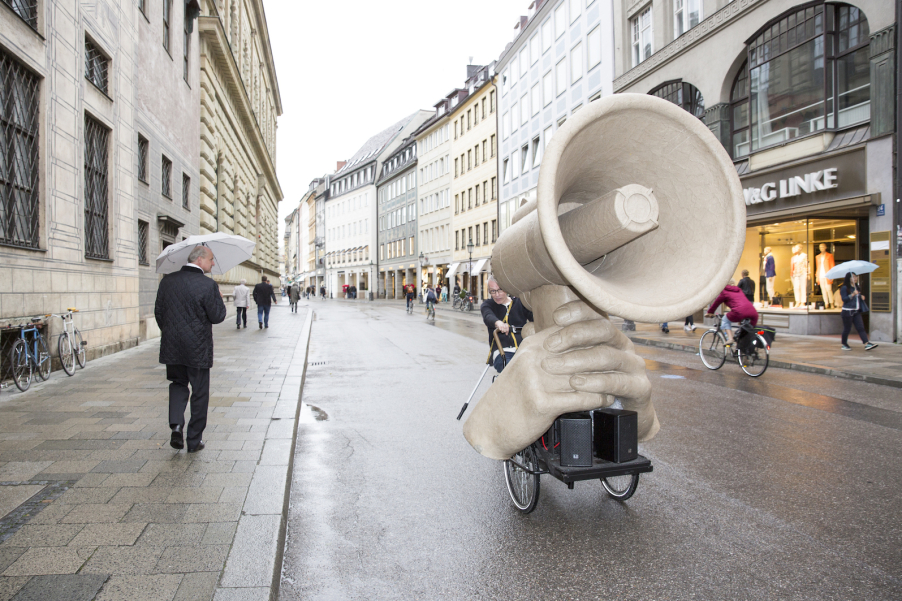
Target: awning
[
  {"x": 452, "y": 270},
  {"x": 478, "y": 266}
]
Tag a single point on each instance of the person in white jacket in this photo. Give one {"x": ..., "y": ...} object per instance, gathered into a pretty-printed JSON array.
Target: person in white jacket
[{"x": 242, "y": 294}]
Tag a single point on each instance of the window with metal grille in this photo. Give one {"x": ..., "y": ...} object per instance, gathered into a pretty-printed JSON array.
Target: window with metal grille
[
  {"x": 186, "y": 192},
  {"x": 96, "y": 189},
  {"x": 96, "y": 66},
  {"x": 167, "y": 19},
  {"x": 142, "y": 158},
  {"x": 27, "y": 9},
  {"x": 682, "y": 94},
  {"x": 166, "y": 187},
  {"x": 19, "y": 167},
  {"x": 143, "y": 234}
]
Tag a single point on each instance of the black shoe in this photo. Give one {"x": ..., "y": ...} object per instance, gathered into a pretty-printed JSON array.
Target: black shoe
[
  {"x": 239, "y": 326},
  {"x": 260, "y": 324},
  {"x": 175, "y": 441},
  {"x": 200, "y": 447},
  {"x": 266, "y": 326}
]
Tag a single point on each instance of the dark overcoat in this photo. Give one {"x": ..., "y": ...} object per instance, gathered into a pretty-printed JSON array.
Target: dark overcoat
[{"x": 188, "y": 304}]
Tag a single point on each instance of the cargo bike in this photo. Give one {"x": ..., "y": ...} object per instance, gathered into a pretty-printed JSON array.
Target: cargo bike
[{"x": 601, "y": 444}]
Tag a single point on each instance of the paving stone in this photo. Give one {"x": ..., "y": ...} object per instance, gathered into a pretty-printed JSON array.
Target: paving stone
[
  {"x": 140, "y": 495},
  {"x": 119, "y": 467},
  {"x": 220, "y": 533},
  {"x": 69, "y": 467},
  {"x": 174, "y": 480},
  {"x": 38, "y": 561},
  {"x": 16, "y": 471},
  {"x": 139, "y": 559},
  {"x": 254, "y": 549},
  {"x": 13, "y": 496},
  {"x": 92, "y": 513},
  {"x": 8, "y": 556},
  {"x": 52, "y": 514},
  {"x": 267, "y": 491},
  {"x": 78, "y": 445},
  {"x": 77, "y": 496},
  {"x": 108, "y": 534},
  {"x": 91, "y": 480},
  {"x": 197, "y": 587},
  {"x": 233, "y": 494},
  {"x": 9, "y": 586},
  {"x": 174, "y": 535},
  {"x": 56, "y": 535},
  {"x": 212, "y": 512},
  {"x": 128, "y": 479},
  {"x": 242, "y": 594},
  {"x": 159, "y": 587},
  {"x": 76, "y": 587},
  {"x": 156, "y": 513},
  {"x": 208, "y": 558},
  {"x": 195, "y": 494},
  {"x": 225, "y": 480},
  {"x": 212, "y": 467}
]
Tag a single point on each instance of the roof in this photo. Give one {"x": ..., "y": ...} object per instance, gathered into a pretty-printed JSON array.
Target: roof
[{"x": 373, "y": 146}]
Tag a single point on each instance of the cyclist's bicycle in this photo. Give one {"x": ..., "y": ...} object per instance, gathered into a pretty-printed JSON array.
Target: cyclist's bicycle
[
  {"x": 410, "y": 306},
  {"x": 430, "y": 311},
  {"x": 749, "y": 347},
  {"x": 70, "y": 344},
  {"x": 28, "y": 355}
]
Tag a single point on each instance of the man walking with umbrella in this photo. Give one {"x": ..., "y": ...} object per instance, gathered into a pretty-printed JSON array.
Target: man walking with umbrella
[{"x": 188, "y": 304}]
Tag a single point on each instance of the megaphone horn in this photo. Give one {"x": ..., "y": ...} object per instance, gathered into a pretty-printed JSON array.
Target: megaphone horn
[{"x": 639, "y": 209}]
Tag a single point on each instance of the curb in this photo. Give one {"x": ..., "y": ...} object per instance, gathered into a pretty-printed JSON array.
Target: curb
[
  {"x": 802, "y": 367},
  {"x": 253, "y": 569}
]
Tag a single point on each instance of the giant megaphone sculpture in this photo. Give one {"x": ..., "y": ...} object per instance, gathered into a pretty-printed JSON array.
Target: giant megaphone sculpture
[{"x": 640, "y": 214}]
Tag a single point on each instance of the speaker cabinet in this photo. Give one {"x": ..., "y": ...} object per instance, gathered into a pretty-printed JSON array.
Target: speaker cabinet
[
  {"x": 616, "y": 437},
  {"x": 576, "y": 439}
]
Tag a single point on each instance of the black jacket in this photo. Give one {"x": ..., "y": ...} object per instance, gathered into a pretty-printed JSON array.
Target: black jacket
[
  {"x": 263, "y": 294},
  {"x": 519, "y": 315},
  {"x": 747, "y": 285},
  {"x": 188, "y": 304}
]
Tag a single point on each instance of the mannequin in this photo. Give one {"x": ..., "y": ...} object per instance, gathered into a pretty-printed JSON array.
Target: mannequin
[
  {"x": 799, "y": 274},
  {"x": 825, "y": 263},
  {"x": 770, "y": 272}
]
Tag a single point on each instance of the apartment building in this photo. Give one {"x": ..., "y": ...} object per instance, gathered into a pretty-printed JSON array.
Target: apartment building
[{"x": 397, "y": 220}]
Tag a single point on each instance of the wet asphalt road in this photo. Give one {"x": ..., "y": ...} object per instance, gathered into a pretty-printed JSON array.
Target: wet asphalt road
[{"x": 784, "y": 487}]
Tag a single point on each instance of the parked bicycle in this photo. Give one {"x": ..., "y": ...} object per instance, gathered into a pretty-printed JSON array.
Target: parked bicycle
[
  {"x": 750, "y": 347},
  {"x": 70, "y": 344},
  {"x": 28, "y": 355}
]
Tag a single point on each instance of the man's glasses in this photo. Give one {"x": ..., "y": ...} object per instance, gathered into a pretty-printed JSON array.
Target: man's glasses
[{"x": 496, "y": 292}]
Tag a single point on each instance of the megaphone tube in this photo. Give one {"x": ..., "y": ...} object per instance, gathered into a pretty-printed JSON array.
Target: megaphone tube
[{"x": 522, "y": 262}]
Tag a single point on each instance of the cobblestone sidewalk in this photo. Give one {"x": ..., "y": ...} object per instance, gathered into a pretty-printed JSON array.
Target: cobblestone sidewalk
[{"x": 94, "y": 504}]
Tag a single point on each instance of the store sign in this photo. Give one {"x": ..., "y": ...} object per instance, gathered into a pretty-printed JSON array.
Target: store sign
[
  {"x": 794, "y": 186},
  {"x": 838, "y": 177}
]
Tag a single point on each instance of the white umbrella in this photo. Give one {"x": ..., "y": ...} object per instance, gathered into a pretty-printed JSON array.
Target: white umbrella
[
  {"x": 856, "y": 267},
  {"x": 228, "y": 251}
]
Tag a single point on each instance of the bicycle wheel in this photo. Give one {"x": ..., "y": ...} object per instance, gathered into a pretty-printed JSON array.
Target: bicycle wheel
[
  {"x": 754, "y": 357},
  {"x": 67, "y": 356},
  {"x": 42, "y": 360},
  {"x": 621, "y": 487},
  {"x": 523, "y": 486},
  {"x": 712, "y": 350},
  {"x": 20, "y": 365},
  {"x": 79, "y": 348}
]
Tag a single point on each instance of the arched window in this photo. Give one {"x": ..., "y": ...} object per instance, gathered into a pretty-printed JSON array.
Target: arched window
[
  {"x": 739, "y": 112},
  {"x": 682, "y": 94},
  {"x": 808, "y": 71}
]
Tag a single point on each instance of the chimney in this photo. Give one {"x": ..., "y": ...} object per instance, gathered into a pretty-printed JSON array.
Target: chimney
[
  {"x": 339, "y": 165},
  {"x": 523, "y": 22},
  {"x": 473, "y": 70}
]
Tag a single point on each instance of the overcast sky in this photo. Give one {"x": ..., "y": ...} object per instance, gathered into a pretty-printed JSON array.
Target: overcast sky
[{"x": 347, "y": 69}]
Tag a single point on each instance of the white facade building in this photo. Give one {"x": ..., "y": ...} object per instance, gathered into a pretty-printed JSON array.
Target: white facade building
[{"x": 561, "y": 59}]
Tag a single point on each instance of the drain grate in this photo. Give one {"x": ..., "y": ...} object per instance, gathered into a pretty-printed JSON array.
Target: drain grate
[
  {"x": 317, "y": 363},
  {"x": 21, "y": 515}
]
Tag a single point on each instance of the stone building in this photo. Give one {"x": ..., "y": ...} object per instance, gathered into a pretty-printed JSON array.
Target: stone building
[
  {"x": 316, "y": 262},
  {"x": 561, "y": 59},
  {"x": 800, "y": 94},
  {"x": 351, "y": 212},
  {"x": 239, "y": 105},
  {"x": 475, "y": 185},
  {"x": 397, "y": 220},
  {"x": 88, "y": 196}
]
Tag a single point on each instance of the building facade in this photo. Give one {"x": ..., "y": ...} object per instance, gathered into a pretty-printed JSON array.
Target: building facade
[
  {"x": 800, "y": 94},
  {"x": 474, "y": 188},
  {"x": 351, "y": 211},
  {"x": 434, "y": 193},
  {"x": 396, "y": 191},
  {"x": 561, "y": 59},
  {"x": 316, "y": 261},
  {"x": 89, "y": 199},
  {"x": 240, "y": 102}
]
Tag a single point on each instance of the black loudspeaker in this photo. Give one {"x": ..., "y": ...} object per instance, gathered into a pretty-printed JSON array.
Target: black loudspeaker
[
  {"x": 576, "y": 439},
  {"x": 616, "y": 437}
]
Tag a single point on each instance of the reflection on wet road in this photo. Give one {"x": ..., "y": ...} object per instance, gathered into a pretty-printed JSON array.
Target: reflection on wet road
[{"x": 783, "y": 487}]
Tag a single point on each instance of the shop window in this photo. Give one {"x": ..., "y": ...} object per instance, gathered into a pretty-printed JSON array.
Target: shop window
[
  {"x": 808, "y": 71},
  {"x": 682, "y": 94},
  {"x": 739, "y": 112}
]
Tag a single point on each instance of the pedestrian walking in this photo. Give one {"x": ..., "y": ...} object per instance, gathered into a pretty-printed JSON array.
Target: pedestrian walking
[
  {"x": 264, "y": 296},
  {"x": 242, "y": 296},
  {"x": 322, "y": 292},
  {"x": 853, "y": 306},
  {"x": 689, "y": 324},
  {"x": 294, "y": 295},
  {"x": 747, "y": 285},
  {"x": 665, "y": 328},
  {"x": 188, "y": 304},
  {"x": 445, "y": 293}
]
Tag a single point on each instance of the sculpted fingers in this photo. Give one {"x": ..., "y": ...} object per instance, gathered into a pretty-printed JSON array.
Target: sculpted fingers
[
  {"x": 587, "y": 333},
  {"x": 573, "y": 312},
  {"x": 632, "y": 386},
  {"x": 595, "y": 359},
  {"x": 529, "y": 329}
]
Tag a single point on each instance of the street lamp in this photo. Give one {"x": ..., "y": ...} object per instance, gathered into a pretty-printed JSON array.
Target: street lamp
[{"x": 470, "y": 268}]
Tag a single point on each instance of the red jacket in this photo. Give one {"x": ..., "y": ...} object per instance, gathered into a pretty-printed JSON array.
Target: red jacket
[{"x": 740, "y": 307}]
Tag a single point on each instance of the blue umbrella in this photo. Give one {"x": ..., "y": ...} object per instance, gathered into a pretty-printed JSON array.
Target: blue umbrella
[{"x": 856, "y": 267}]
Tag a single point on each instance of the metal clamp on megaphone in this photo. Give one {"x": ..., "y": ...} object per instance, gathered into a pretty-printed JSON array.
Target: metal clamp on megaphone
[{"x": 639, "y": 213}]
